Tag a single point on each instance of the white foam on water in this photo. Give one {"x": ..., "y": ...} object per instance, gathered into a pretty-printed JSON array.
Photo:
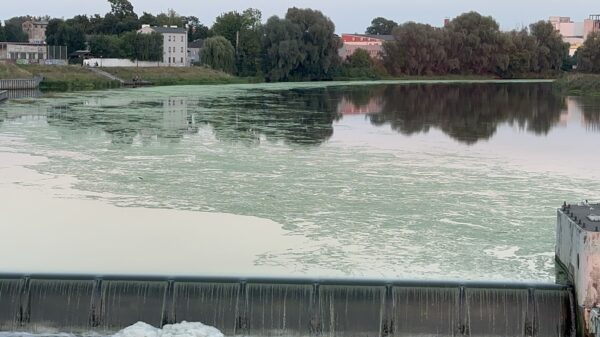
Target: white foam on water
[
  {"x": 183, "y": 329},
  {"x": 139, "y": 329}
]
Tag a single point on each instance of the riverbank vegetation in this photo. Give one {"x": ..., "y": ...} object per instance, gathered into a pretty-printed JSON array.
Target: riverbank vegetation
[
  {"x": 302, "y": 46},
  {"x": 579, "y": 84},
  {"x": 72, "y": 78},
  {"x": 177, "y": 75},
  {"x": 68, "y": 78}
]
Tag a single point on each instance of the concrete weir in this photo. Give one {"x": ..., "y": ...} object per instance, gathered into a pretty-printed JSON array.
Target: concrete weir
[
  {"x": 578, "y": 255},
  {"x": 287, "y": 307}
]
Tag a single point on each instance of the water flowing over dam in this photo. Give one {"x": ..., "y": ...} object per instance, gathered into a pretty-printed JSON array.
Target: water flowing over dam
[{"x": 277, "y": 307}]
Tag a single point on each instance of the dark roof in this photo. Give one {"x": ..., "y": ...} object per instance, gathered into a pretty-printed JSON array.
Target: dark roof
[
  {"x": 80, "y": 53},
  {"x": 196, "y": 44},
  {"x": 170, "y": 30},
  {"x": 380, "y": 37},
  {"x": 584, "y": 215}
]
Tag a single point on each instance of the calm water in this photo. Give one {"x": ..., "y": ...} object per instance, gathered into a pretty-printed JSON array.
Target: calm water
[{"x": 436, "y": 181}]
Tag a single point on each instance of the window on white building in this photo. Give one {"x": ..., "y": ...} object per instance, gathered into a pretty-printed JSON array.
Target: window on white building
[
  {"x": 182, "y": 60},
  {"x": 181, "y": 38},
  {"x": 169, "y": 38},
  {"x": 182, "y": 49}
]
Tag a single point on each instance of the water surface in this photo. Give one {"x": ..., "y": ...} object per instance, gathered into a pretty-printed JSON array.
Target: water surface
[{"x": 436, "y": 181}]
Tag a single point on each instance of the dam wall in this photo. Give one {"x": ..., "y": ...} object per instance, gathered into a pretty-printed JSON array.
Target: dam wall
[
  {"x": 578, "y": 254},
  {"x": 288, "y": 307}
]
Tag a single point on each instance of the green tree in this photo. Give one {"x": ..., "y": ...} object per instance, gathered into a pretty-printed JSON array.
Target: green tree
[
  {"x": 243, "y": 32},
  {"x": 360, "y": 65},
  {"x": 417, "y": 49},
  {"x": 107, "y": 46},
  {"x": 319, "y": 44},
  {"x": 282, "y": 49},
  {"x": 360, "y": 59},
  {"x": 148, "y": 19},
  {"x": 218, "y": 53},
  {"x": 520, "y": 50},
  {"x": 170, "y": 18},
  {"x": 300, "y": 47},
  {"x": 196, "y": 30},
  {"x": 588, "y": 55},
  {"x": 476, "y": 42},
  {"x": 13, "y": 28},
  {"x": 141, "y": 47},
  {"x": 2, "y": 32},
  {"x": 229, "y": 25},
  {"x": 81, "y": 21},
  {"x": 59, "y": 33},
  {"x": 381, "y": 26},
  {"x": 121, "y": 8},
  {"x": 551, "y": 51}
]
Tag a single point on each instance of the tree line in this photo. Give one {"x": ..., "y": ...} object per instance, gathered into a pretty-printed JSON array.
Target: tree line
[
  {"x": 302, "y": 45},
  {"x": 473, "y": 44}
]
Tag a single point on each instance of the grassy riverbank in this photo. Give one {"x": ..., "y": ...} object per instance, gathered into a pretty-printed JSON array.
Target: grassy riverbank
[
  {"x": 176, "y": 75},
  {"x": 580, "y": 84},
  {"x": 74, "y": 78},
  {"x": 58, "y": 78}
]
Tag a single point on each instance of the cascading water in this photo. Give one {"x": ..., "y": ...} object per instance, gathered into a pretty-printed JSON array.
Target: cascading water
[
  {"x": 554, "y": 312},
  {"x": 498, "y": 312},
  {"x": 351, "y": 310},
  {"x": 126, "y": 302},
  {"x": 215, "y": 304},
  {"x": 10, "y": 291},
  {"x": 426, "y": 311},
  {"x": 55, "y": 304},
  {"x": 280, "y": 307}
]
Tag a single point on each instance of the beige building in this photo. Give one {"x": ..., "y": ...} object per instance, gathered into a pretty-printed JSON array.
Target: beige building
[
  {"x": 175, "y": 44},
  {"x": 575, "y": 33},
  {"x": 36, "y": 30},
  {"x": 18, "y": 52}
]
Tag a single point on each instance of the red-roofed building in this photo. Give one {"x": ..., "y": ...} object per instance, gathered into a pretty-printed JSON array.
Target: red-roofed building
[{"x": 373, "y": 44}]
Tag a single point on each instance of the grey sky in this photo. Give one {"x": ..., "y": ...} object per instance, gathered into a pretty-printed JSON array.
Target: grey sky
[{"x": 349, "y": 16}]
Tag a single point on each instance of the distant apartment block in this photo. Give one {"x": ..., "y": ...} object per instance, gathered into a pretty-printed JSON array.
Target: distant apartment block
[
  {"x": 575, "y": 33},
  {"x": 36, "y": 31},
  {"x": 373, "y": 44},
  {"x": 175, "y": 44}
]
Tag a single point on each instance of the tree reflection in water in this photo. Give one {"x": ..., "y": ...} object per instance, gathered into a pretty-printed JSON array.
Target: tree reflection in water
[{"x": 467, "y": 113}]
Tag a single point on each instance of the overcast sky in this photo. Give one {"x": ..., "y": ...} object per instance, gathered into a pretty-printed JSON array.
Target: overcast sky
[{"x": 349, "y": 16}]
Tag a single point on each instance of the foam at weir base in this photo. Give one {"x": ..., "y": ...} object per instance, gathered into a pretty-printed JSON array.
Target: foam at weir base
[{"x": 183, "y": 329}]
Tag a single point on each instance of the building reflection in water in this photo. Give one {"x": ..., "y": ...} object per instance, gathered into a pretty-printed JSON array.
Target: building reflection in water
[{"x": 467, "y": 113}]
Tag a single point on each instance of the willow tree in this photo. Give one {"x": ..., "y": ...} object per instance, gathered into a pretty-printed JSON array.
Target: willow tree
[
  {"x": 302, "y": 46},
  {"x": 218, "y": 53},
  {"x": 551, "y": 50},
  {"x": 476, "y": 43},
  {"x": 417, "y": 49},
  {"x": 588, "y": 55}
]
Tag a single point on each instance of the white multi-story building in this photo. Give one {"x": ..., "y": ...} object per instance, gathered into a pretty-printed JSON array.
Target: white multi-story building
[{"x": 175, "y": 44}]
